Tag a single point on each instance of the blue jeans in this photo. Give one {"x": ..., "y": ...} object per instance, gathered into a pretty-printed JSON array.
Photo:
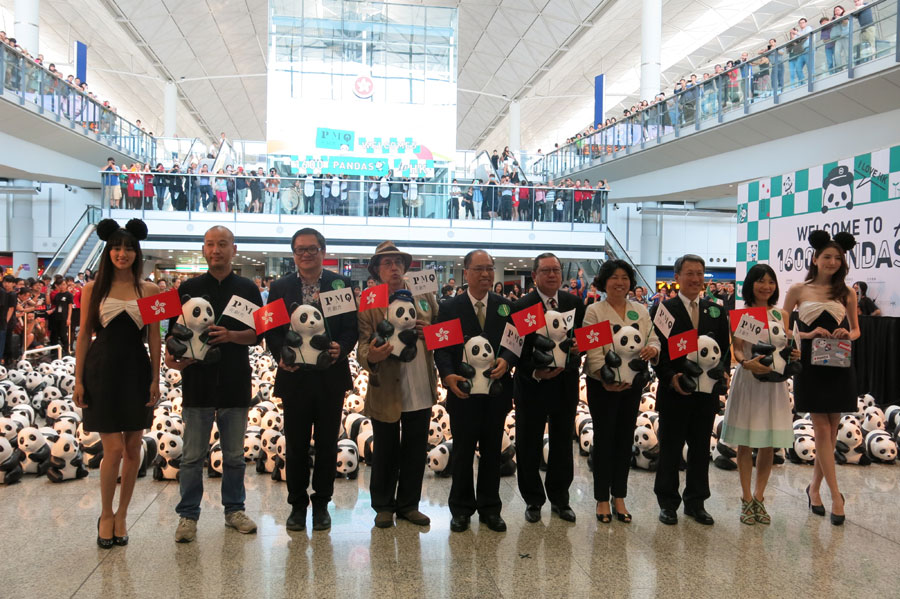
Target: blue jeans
[
  {"x": 197, "y": 426},
  {"x": 829, "y": 58}
]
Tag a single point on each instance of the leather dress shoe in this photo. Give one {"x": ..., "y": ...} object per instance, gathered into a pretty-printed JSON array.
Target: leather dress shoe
[
  {"x": 564, "y": 512},
  {"x": 494, "y": 522},
  {"x": 321, "y": 519},
  {"x": 297, "y": 519},
  {"x": 459, "y": 523},
  {"x": 533, "y": 513},
  {"x": 700, "y": 515},
  {"x": 667, "y": 516}
]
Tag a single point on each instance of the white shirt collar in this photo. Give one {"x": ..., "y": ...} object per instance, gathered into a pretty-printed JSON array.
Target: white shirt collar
[
  {"x": 687, "y": 302},
  {"x": 546, "y": 298},
  {"x": 473, "y": 300}
]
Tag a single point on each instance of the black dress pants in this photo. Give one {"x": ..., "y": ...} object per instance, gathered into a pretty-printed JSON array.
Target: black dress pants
[
  {"x": 478, "y": 420},
  {"x": 544, "y": 403},
  {"x": 684, "y": 419},
  {"x": 312, "y": 411},
  {"x": 398, "y": 463},
  {"x": 613, "y": 416}
]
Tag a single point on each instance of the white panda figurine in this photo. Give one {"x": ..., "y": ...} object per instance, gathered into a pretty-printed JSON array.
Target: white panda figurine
[
  {"x": 215, "y": 462},
  {"x": 399, "y": 329},
  {"x": 148, "y": 455},
  {"x": 440, "y": 459},
  {"x": 280, "y": 471},
  {"x": 65, "y": 460},
  {"x": 803, "y": 451},
  {"x": 837, "y": 189},
  {"x": 880, "y": 447},
  {"x": 189, "y": 335},
  {"x": 873, "y": 420},
  {"x": 268, "y": 444},
  {"x": 306, "y": 342},
  {"x": 435, "y": 434},
  {"x": 552, "y": 350},
  {"x": 10, "y": 463},
  {"x": 849, "y": 447},
  {"x": 777, "y": 355},
  {"x": 891, "y": 417},
  {"x": 347, "y": 462},
  {"x": 167, "y": 465},
  {"x": 478, "y": 361},
  {"x": 252, "y": 444},
  {"x": 645, "y": 451},
  {"x": 623, "y": 362},
  {"x": 709, "y": 359},
  {"x": 35, "y": 451}
]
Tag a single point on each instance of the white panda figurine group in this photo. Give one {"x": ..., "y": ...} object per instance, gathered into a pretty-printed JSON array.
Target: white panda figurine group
[
  {"x": 189, "y": 336},
  {"x": 399, "y": 329},
  {"x": 478, "y": 361},
  {"x": 306, "y": 341}
]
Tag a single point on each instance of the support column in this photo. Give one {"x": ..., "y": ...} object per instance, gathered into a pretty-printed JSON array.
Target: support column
[
  {"x": 515, "y": 127},
  {"x": 651, "y": 44},
  {"x": 650, "y": 230},
  {"x": 170, "y": 106},
  {"x": 26, "y": 24},
  {"x": 21, "y": 232}
]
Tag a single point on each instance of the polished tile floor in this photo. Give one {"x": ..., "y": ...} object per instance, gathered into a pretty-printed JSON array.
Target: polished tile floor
[{"x": 49, "y": 551}]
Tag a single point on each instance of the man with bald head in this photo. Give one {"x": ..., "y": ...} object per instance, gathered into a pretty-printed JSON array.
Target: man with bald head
[{"x": 219, "y": 391}]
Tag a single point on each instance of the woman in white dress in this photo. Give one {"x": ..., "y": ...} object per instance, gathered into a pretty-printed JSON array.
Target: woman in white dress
[
  {"x": 614, "y": 406},
  {"x": 758, "y": 413}
]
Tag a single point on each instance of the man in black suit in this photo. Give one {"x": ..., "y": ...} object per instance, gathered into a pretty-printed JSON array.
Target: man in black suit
[
  {"x": 477, "y": 419},
  {"x": 683, "y": 416},
  {"x": 546, "y": 393},
  {"x": 312, "y": 399}
]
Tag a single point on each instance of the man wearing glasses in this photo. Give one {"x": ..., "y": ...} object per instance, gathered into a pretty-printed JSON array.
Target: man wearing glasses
[
  {"x": 312, "y": 398},
  {"x": 477, "y": 419}
]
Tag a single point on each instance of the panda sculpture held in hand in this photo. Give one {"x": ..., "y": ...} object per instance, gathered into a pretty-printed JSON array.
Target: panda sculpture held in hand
[
  {"x": 189, "y": 336},
  {"x": 708, "y": 360},
  {"x": 552, "y": 350},
  {"x": 626, "y": 350},
  {"x": 478, "y": 361},
  {"x": 306, "y": 341},
  {"x": 776, "y": 355},
  {"x": 399, "y": 329}
]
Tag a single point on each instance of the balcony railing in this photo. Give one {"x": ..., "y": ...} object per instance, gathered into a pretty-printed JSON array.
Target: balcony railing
[
  {"x": 840, "y": 46},
  {"x": 28, "y": 83}
]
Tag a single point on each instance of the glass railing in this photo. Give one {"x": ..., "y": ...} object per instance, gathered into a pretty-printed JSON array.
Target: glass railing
[
  {"x": 262, "y": 197},
  {"x": 32, "y": 85},
  {"x": 840, "y": 46},
  {"x": 70, "y": 246}
]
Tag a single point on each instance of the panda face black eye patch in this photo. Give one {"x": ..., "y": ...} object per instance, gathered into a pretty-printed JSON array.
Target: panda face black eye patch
[
  {"x": 304, "y": 318},
  {"x": 196, "y": 312},
  {"x": 476, "y": 349}
]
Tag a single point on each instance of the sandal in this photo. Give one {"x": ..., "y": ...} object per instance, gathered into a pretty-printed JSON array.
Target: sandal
[
  {"x": 604, "y": 518},
  {"x": 621, "y": 516},
  {"x": 759, "y": 512},
  {"x": 747, "y": 515}
]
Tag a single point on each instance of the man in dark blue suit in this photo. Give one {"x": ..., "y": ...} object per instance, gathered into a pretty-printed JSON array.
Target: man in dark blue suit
[
  {"x": 312, "y": 399},
  {"x": 687, "y": 416},
  {"x": 477, "y": 419}
]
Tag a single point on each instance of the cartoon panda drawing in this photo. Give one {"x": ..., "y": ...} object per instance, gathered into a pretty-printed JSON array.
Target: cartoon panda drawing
[{"x": 837, "y": 189}]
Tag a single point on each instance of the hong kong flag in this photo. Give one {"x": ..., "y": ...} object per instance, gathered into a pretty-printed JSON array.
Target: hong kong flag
[
  {"x": 443, "y": 334},
  {"x": 595, "y": 335},
  {"x": 270, "y": 316},
  {"x": 374, "y": 297},
  {"x": 529, "y": 320},
  {"x": 683, "y": 344},
  {"x": 161, "y": 306}
]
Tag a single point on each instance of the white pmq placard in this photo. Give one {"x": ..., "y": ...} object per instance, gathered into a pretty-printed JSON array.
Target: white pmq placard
[{"x": 859, "y": 195}]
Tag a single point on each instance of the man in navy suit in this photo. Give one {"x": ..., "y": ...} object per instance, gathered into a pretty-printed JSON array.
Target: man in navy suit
[
  {"x": 312, "y": 399},
  {"x": 477, "y": 419},
  {"x": 685, "y": 416}
]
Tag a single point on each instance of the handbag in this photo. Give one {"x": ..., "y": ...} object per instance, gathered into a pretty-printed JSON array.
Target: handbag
[
  {"x": 831, "y": 352},
  {"x": 138, "y": 184}
]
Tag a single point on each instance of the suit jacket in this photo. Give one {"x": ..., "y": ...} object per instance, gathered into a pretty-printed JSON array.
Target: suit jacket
[
  {"x": 525, "y": 369},
  {"x": 711, "y": 325},
  {"x": 448, "y": 358},
  {"x": 342, "y": 329},
  {"x": 383, "y": 399}
]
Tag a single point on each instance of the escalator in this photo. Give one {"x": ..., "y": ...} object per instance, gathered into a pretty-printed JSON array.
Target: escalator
[{"x": 81, "y": 246}]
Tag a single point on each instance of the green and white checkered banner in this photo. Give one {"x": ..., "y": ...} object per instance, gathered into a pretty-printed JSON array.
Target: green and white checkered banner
[{"x": 859, "y": 195}]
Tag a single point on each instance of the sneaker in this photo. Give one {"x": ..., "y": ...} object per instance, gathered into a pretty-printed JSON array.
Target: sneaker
[
  {"x": 186, "y": 531},
  {"x": 240, "y": 522}
]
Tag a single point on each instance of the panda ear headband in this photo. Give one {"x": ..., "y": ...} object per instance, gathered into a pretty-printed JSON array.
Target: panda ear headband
[
  {"x": 108, "y": 226},
  {"x": 818, "y": 239}
]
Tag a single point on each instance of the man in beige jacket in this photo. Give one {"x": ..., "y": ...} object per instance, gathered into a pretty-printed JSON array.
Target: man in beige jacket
[{"x": 400, "y": 394}]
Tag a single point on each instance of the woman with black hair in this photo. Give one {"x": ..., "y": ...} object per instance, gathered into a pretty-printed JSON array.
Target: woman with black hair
[
  {"x": 865, "y": 306},
  {"x": 116, "y": 383},
  {"x": 758, "y": 413},
  {"x": 827, "y": 310},
  {"x": 614, "y": 406}
]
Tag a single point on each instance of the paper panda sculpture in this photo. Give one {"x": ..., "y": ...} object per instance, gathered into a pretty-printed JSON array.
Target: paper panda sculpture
[
  {"x": 399, "y": 329},
  {"x": 10, "y": 463},
  {"x": 280, "y": 471},
  {"x": 803, "y": 451},
  {"x": 623, "y": 363},
  {"x": 306, "y": 341},
  {"x": 872, "y": 420},
  {"x": 645, "y": 451},
  {"x": 215, "y": 461},
  {"x": 347, "y": 463},
  {"x": 709, "y": 361},
  {"x": 849, "y": 447},
  {"x": 552, "y": 350},
  {"x": 837, "y": 189},
  {"x": 268, "y": 443},
  {"x": 478, "y": 361},
  {"x": 35, "y": 451},
  {"x": 167, "y": 465},
  {"x": 440, "y": 459},
  {"x": 880, "y": 447},
  {"x": 777, "y": 355},
  {"x": 65, "y": 460},
  {"x": 189, "y": 336}
]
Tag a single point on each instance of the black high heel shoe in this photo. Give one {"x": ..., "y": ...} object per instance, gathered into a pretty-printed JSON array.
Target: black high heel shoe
[
  {"x": 605, "y": 518},
  {"x": 621, "y": 516},
  {"x": 818, "y": 510},
  {"x": 838, "y": 520},
  {"x": 101, "y": 542}
]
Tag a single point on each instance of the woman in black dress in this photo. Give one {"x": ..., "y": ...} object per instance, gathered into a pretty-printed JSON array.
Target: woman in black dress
[
  {"x": 116, "y": 383},
  {"x": 826, "y": 310}
]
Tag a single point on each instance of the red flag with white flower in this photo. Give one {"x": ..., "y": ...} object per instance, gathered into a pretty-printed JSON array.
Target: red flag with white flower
[
  {"x": 529, "y": 320},
  {"x": 374, "y": 297},
  {"x": 161, "y": 306},
  {"x": 593, "y": 336},
  {"x": 271, "y": 315},
  {"x": 443, "y": 334},
  {"x": 683, "y": 344}
]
